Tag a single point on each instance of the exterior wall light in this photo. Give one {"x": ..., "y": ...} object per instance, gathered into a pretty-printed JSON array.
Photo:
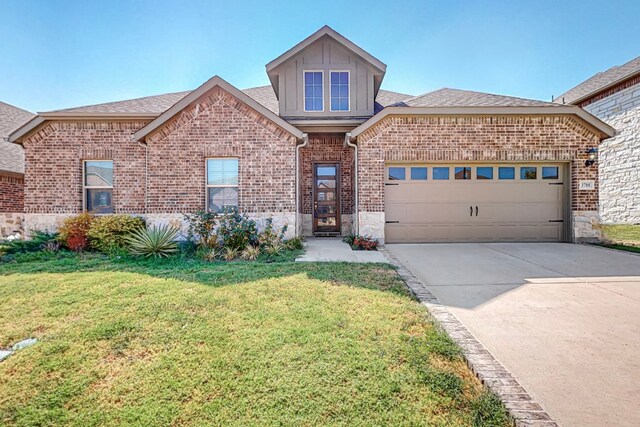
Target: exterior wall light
[{"x": 593, "y": 156}]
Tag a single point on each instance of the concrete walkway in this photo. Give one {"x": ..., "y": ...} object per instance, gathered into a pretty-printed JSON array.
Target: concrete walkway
[
  {"x": 326, "y": 249},
  {"x": 563, "y": 319}
]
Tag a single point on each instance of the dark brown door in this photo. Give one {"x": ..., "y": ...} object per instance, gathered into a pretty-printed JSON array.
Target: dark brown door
[{"x": 326, "y": 197}]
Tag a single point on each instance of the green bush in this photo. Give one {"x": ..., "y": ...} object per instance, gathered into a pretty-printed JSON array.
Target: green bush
[
  {"x": 73, "y": 232},
  {"x": 39, "y": 240},
  {"x": 237, "y": 231},
  {"x": 201, "y": 228},
  {"x": 108, "y": 233},
  {"x": 157, "y": 242},
  {"x": 294, "y": 244},
  {"x": 269, "y": 236}
]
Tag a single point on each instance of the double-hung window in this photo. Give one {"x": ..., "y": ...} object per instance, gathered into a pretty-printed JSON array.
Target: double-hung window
[
  {"x": 222, "y": 184},
  {"x": 339, "y": 91},
  {"x": 98, "y": 186},
  {"x": 313, "y": 91}
]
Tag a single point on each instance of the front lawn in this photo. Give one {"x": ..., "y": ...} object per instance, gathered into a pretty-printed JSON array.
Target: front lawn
[
  {"x": 175, "y": 342},
  {"x": 624, "y": 237}
]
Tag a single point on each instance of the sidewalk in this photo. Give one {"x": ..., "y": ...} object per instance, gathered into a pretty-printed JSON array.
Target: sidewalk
[{"x": 333, "y": 249}]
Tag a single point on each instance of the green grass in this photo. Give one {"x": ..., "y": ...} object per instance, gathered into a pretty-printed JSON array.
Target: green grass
[
  {"x": 622, "y": 237},
  {"x": 183, "y": 342}
]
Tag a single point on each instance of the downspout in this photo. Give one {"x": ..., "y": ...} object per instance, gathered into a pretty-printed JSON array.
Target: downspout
[
  {"x": 348, "y": 143},
  {"x": 144, "y": 145},
  {"x": 305, "y": 142}
]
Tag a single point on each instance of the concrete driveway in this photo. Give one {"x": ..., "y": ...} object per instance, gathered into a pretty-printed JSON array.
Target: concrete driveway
[{"x": 563, "y": 319}]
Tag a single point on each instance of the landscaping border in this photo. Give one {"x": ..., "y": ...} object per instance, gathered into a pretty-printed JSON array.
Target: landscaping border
[{"x": 524, "y": 410}]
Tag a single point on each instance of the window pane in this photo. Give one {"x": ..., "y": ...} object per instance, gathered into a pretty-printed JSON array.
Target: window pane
[
  {"x": 317, "y": 104},
  {"x": 308, "y": 78},
  {"x": 326, "y": 183},
  {"x": 396, "y": 174},
  {"x": 222, "y": 198},
  {"x": 418, "y": 173},
  {"x": 462, "y": 172},
  {"x": 99, "y": 201},
  {"x": 222, "y": 171},
  {"x": 528, "y": 172},
  {"x": 506, "y": 173},
  {"x": 440, "y": 173},
  {"x": 484, "y": 173},
  {"x": 327, "y": 209},
  {"x": 98, "y": 173},
  {"x": 317, "y": 78},
  {"x": 317, "y": 92},
  {"x": 549, "y": 172},
  {"x": 308, "y": 104},
  {"x": 326, "y": 196},
  {"x": 326, "y": 170},
  {"x": 313, "y": 92},
  {"x": 339, "y": 91},
  {"x": 327, "y": 222}
]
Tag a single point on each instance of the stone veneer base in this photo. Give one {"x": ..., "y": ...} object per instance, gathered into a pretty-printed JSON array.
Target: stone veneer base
[{"x": 521, "y": 407}]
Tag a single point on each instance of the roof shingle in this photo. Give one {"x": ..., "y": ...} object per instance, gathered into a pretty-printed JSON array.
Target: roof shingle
[
  {"x": 600, "y": 81},
  {"x": 447, "y": 97},
  {"x": 11, "y": 155}
]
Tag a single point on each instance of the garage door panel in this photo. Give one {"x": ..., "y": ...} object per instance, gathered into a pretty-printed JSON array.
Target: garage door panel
[{"x": 475, "y": 210}]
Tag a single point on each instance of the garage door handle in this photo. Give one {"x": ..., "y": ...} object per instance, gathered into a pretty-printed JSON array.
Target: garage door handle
[
  {"x": 476, "y": 211},
  {"x": 470, "y": 210}
]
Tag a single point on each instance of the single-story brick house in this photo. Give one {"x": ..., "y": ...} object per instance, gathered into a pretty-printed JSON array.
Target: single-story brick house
[
  {"x": 325, "y": 150},
  {"x": 614, "y": 97},
  {"x": 11, "y": 170}
]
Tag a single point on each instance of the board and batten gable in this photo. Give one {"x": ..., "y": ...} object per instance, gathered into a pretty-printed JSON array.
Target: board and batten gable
[{"x": 325, "y": 54}]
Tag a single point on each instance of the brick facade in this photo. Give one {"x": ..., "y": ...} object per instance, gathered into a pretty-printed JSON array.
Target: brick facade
[
  {"x": 53, "y": 165},
  {"x": 477, "y": 138},
  {"x": 219, "y": 125},
  {"x": 11, "y": 193}
]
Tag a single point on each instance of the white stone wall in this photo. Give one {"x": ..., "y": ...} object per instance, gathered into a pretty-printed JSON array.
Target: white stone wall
[
  {"x": 586, "y": 226},
  {"x": 372, "y": 224},
  {"x": 51, "y": 222},
  {"x": 619, "y": 157},
  {"x": 11, "y": 223}
]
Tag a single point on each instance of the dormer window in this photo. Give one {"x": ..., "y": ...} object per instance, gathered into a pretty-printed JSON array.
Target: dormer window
[
  {"x": 313, "y": 91},
  {"x": 339, "y": 91}
]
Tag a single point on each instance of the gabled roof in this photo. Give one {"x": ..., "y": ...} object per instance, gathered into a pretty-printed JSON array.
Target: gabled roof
[
  {"x": 600, "y": 82},
  {"x": 207, "y": 86},
  {"x": 149, "y": 104},
  {"x": 447, "y": 97},
  {"x": 328, "y": 31},
  {"x": 11, "y": 155}
]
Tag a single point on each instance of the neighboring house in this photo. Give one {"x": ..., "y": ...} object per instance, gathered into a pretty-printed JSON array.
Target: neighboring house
[
  {"x": 11, "y": 170},
  {"x": 324, "y": 150},
  {"x": 614, "y": 97}
]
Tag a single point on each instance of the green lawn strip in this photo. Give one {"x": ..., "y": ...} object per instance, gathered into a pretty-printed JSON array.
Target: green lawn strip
[
  {"x": 622, "y": 233},
  {"x": 184, "y": 342}
]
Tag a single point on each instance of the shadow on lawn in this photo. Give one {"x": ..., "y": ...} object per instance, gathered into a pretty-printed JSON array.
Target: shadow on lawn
[{"x": 370, "y": 276}]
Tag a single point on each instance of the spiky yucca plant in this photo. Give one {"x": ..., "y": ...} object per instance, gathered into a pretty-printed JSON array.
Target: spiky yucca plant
[
  {"x": 157, "y": 242},
  {"x": 250, "y": 253}
]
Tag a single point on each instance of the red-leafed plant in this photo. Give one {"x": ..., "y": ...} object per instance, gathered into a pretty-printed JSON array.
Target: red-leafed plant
[
  {"x": 73, "y": 232},
  {"x": 364, "y": 243}
]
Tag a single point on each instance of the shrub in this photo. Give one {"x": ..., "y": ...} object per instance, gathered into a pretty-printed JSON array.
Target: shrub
[
  {"x": 269, "y": 236},
  {"x": 108, "y": 233},
  {"x": 250, "y": 253},
  {"x": 237, "y": 231},
  {"x": 230, "y": 253},
  {"x": 364, "y": 243},
  {"x": 274, "y": 249},
  {"x": 349, "y": 238},
  {"x": 73, "y": 233},
  {"x": 207, "y": 254},
  {"x": 201, "y": 228},
  {"x": 294, "y": 244},
  {"x": 157, "y": 242},
  {"x": 39, "y": 241}
]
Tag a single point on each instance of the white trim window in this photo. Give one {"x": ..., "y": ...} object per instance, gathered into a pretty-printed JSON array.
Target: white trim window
[
  {"x": 222, "y": 184},
  {"x": 340, "y": 91},
  {"x": 313, "y": 91},
  {"x": 98, "y": 186}
]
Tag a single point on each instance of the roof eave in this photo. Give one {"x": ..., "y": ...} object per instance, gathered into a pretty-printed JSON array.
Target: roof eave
[
  {"x": 326, "y": 30},
  {"x": 602, "y": 89},
  {"x": 601, "y": 127},
  {"x": 208, "y": 85}
]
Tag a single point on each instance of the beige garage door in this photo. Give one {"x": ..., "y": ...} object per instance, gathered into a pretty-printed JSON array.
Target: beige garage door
[{"x": 474, "y": 202}]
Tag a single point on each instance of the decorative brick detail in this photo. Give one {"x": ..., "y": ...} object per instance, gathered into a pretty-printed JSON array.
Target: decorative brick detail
[
  {"x": 11, "y": 193},
  {"x": 53, "y": 165},
  {"x": 327, "y": 149},
  {"x": 475, "y": 138}
]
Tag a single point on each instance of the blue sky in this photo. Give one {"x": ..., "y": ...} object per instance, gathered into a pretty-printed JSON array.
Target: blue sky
[{"x": 58, "y": 54}]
